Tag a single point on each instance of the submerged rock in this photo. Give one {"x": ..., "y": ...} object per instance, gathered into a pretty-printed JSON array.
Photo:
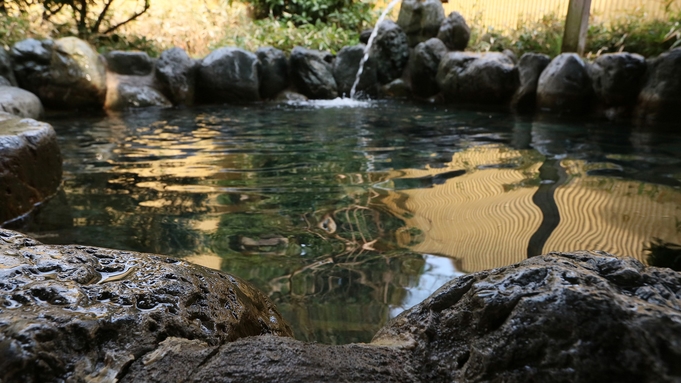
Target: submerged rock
[
  {"x": 420, "y": 19},
  {"x": 228, "y": 75},
  {"x": 454, "y": 32},
  {"x": 530, "y": 67},
  {"x": 85, "y": 314},
  {"x": 562, "y": 317},
  {"x": 390, "y": 52},
  {"x": 660, "y": 98},
  {"x": 132, "y": 63},
  {"x": 273, "y": 72},
  {"x": 312, "y": 73},
  {"x": 345, "y": 70},
  {"x": 564, "y": 86},
  {"x": 20, "y": 103},
  {"x": 176, "y": 72},
  {"x": 617, "y": 79},
  {"x": 66, "y": 73},
  {"x": 423, "y": 65},
  {"x": 489, "y": 78},
  {"x": 30, "y": 167}
]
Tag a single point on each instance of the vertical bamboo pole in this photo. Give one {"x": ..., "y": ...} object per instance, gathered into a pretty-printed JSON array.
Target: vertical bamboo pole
[{"x": 576, "y": 26}]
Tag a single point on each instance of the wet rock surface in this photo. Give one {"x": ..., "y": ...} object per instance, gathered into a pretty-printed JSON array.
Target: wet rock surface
[
  {"x": 660, "y": 98},
  {"x": 489, "y": 78},
  {"x": 561, "y": 317},
  {"x": 132, "y": 63},
  {"x": 228, "y": 75},
  {"x": 565, "y": 86},
  {"x": 530, "y": 67},
  {"x": 125, "y": 92},
  {"x": 75, "y": 313},
  {"x": 20, "y": 103},
  {"x": 617, "y": 79},
  {"x": 312, "y": 73},
  {"x": 6, "y": 70},
  {"x": 423, "y": 65},
  {"x": 390, "y": 51},
  {"x": 273, "y": 71},
  {"x": 420, "y": 19},
  {"x": 454, "y": 32},
  {"x": 30, "y": 165},
  {"x": 176, "y": 72},
  {"x": 66, "y": 73},
  {"x": 345, "y": 69}
]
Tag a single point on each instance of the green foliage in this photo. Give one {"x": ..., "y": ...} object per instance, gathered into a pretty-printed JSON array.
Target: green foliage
[
  {"x": 13, "y": 29},
  {"x": 112, "y": 42},
  {"x": 286, "y": 35},
  {"x": 543, "y": 36},
  {"x": 347, "y": 14}
]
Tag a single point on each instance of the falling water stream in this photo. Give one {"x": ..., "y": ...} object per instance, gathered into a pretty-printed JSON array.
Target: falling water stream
[{"x": 367, "y": 49}]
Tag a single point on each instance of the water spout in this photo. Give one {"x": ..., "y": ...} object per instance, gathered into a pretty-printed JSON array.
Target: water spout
[{"x": 367, "y": 49}]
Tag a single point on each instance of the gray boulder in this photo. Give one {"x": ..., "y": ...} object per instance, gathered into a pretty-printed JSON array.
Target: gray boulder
[
  {"x": 660, "y": 98},
  {"x": 312, "y": 73},
  {"x": 30, "y": 171},
  {"x": 423, "y": 65},
  {"x": 76, "y": 313},
  {"x": 617, "y": 79},
  {"x": 345, "y": 70},
  {"x": 66, "y": 73},
  {"x": 228, "y": 75},
  {"x": 126, "y": 92},
  {"x": 530, "y": 67},
  {"x": 454, "y": 32},
  {"x": 132, "y": 63},
  {"x": 390, "y": 51},
  {"x": 273, "y": 72},
  {"x": 4, "y": 82},
  {"x": 564, "y": 86},
  {"x": 562, "y": 317},
  {"x": 6, "y": 71},
  {"x": 489, "y": 78},
  {"x": 176, "y": 72},
  {"x": 420, "y": 19},
  {"x": 397, "y": 89},
  {"x": 20, "y": 102}
]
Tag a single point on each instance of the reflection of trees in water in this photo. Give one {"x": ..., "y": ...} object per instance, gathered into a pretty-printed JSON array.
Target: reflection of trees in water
[{"x": 664, "y": 254}]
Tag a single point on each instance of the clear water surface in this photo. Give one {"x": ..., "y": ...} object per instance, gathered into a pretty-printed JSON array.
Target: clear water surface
[{"x": 347, "y": 213}]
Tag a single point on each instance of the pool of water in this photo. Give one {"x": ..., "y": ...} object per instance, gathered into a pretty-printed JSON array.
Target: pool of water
[{"x": 347, "y": 213}]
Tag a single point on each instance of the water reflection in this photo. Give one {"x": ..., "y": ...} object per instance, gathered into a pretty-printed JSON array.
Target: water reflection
[{"x": 346, "y": 216}]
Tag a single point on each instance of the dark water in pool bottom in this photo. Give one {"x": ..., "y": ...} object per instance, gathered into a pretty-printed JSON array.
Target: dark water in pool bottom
[{"x": 346, "y": 216}]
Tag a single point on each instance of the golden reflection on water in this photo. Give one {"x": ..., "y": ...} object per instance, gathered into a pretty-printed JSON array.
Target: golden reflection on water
[{"x": 486, "y": 217}]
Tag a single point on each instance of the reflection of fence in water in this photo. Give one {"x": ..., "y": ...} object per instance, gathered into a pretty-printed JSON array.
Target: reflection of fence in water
[{"x": 509, "y": 14}]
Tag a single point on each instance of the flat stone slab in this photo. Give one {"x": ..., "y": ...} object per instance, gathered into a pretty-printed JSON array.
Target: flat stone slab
[
  {"x": 30, "y": 165},
  {"x": 84, "y": 314}
]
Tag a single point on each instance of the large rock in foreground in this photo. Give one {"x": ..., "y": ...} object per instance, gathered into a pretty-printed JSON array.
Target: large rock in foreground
[
  {"x": 30, "y": 166},
  {"x": 66, "y": 73},
  {"x": 74, "y": 313},
  {"x": 565, "y": 86},
  {"x": 562, "y": 317}
]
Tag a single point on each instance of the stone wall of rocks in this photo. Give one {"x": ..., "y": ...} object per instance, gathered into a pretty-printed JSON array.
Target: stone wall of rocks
[{"x": 421, "y": 56}]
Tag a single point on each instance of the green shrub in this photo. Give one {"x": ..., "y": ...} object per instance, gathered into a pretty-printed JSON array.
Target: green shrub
[
  {"x": 347, "y": 14},
  {"x": 13, "y": 29}
]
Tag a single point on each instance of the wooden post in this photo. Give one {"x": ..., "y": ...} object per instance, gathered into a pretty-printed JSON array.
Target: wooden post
[{"x": 576, "y": 26}]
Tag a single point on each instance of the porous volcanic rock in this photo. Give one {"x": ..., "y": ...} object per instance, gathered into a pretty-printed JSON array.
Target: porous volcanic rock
[
  {"x": 20, "y": 102},
  {"x": 660, "y": 98},
  {"x": 390, "y": 51},
  {"x": 312, "y": 73},
  {"x": 84, "y": 314},
  {"x": 131, "y": 63},
  {"x": 530, "y": 67},
  {"x": 176, "y": 72},
  {"x": 67, "y": 73},
  {"x": 489, "y": 78},
  {"x": 423, "y": 65},
  {"x": 228, "y": 75},
  {"x": 420, "y": 19},
  {"x": 273, "y": 71},
  {"x": 30, "y": 165},
  {"x": 617, "y": 79},
  {"x": 6, "y": 70},
  {"x": 561, "y": 317},
  {"x": 454, "y": 32},
  {"x": 565, "y": 86},
  {"x": 345, "y": 69}
]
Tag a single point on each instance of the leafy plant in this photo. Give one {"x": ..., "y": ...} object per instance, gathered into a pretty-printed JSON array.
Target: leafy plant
[{"x": 347, "y": 14}]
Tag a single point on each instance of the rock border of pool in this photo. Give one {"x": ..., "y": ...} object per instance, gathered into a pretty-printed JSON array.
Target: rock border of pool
[{"x": 87, "y": 314}]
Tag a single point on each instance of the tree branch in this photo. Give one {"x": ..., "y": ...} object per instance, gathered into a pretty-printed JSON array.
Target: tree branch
[
  {"x": 133, "y": 17},
  {"x": 98, "y": 23}
]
